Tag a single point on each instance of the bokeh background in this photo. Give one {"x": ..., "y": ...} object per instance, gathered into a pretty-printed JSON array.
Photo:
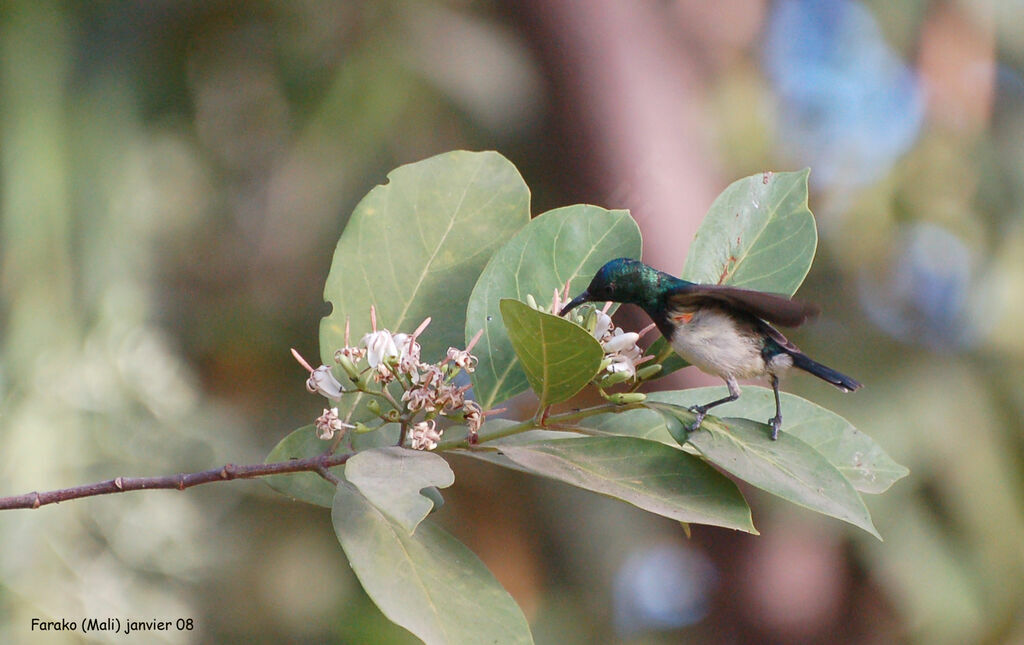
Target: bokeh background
[{"x": 174, "y": 176}]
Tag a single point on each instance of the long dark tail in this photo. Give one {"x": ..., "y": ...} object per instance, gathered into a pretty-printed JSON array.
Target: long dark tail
[{"x": 841, "y": 381}]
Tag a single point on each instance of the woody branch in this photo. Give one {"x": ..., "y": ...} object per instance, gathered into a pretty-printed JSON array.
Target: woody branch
[{"x": 181, "y": 481}]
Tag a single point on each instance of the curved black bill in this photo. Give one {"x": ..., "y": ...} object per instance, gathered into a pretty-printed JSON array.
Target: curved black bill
[{"x": 575, "y": 302}]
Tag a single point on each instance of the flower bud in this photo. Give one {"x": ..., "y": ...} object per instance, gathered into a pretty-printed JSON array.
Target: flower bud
[
  {"x": 373, "y": 406},
  {"x": 530, "y": 300},
  {"x": 347, "y": 365},
  {"x": 648, "y": 371},
  {"x": 362, "y": 428},
  {"x": 614, "y": 378},
  {"x": 623, "y": 398}
]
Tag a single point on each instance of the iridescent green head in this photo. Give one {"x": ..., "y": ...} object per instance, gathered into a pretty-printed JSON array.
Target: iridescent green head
[{"x": 628, "y": 281}]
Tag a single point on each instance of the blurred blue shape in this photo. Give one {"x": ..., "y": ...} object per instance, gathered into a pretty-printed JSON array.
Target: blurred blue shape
[
  {"x": 926, "y": 295},
  {"x": 849, "y": 107},
  {"x": 666, "y": 586}
]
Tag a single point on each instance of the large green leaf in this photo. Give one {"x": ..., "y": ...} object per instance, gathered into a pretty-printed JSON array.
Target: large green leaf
[
  {"x": 758, "y": 234},
  {"x": 427, "y": 582},
  {"x": 558, "y": 356},
  {"x": 861, "y": 460},
  {"x": 569, "y": 243},
  {"x": 787, "y": 467},
  {"x": 392, "y": 478},
  {"x": 415, "y": 246},
  {"x": 303, "y": 443},
  {"x": 647, "y": 474}
]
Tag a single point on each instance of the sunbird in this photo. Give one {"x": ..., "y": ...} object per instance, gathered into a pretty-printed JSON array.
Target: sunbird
[{"x": 723, "y": 330}]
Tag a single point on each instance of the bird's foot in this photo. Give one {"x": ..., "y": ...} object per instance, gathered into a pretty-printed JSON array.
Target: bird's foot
[
  {"x": 701, "y": 412},
  {"x": 776, "y": 423}
]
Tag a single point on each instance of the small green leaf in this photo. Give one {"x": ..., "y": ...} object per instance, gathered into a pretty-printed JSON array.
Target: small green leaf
[
  {"x": 788, "y": 468},
  {"x": 427, "y": 582},
  {"x": 647, "y": 474},
  {"x": 758, "y": 234},
  {"x": 559, "y": 356},
  {"x": 302, "y": 443},
  {"x": 569, "y": 243},
  {"x": 415, "y": 246},
  {"x": 392, "y": 478}
]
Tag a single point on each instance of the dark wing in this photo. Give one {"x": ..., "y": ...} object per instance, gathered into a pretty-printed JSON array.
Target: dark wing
[{"x": 772, "y": 307}]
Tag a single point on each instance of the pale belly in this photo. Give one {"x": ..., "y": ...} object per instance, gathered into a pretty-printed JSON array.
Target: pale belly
[{"x": 714, "y": 343}]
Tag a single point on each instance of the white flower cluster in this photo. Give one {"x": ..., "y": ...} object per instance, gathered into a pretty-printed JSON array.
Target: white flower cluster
[
  {"x": 428, "y": 387},
  {"x": 622, "y": 356},
  {"x": 620, "y": 348}
]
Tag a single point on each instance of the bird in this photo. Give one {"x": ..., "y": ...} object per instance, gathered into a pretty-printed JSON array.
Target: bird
[{"x": 722, "y": 330}]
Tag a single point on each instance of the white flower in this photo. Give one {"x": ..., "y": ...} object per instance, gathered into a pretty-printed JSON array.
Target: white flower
[
  {"x": 602, "y": 325},
  {"x": 621, "y": 348},
  {"x": 322, "y": 381},
  {"x": 474, "y": 416},
  {"x": 328, "y": 423},
  {"x": 624, "y": 364},
  {"x": 380, "y": 346},
  {"x": 620, "y": 341},
  {"x": 419, "y": 398},
  {"x": 425, "y": 435},
  {"x": 408, "y": 355},
  {"x": 449, "y": 396},
  {"x": 462, "y": 358}
]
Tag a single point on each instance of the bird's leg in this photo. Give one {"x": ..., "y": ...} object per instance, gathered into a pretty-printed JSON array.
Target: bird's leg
[
  {"x": 702, "y": 410},
  {"x": 776, "y": 421}
]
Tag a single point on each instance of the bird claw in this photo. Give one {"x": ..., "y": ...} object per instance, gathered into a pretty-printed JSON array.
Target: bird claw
[
  {"x": 776, "y": 423},
  {"x": 701, "y": 412}
]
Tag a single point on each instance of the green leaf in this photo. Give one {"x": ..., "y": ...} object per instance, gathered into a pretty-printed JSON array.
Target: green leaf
[
  {"x": 856, "y": 455},
  {"x": 758, "y": 234},
  {"x": 861, "y": 460},
  {"x": 311, "y": 487},
  {"x": 305, "y": 487},
  {"x": 559, "y": 356},
  {"x": 647, "y": 474},
  {"x": 788, "y": 468},
  {"x": 428, "y": 582},
  {"x": 392, "y": 478},
  {"x": 569, "y": 243},
  {"x": 641, "y": 423},
  {"x": 415, "y": 246}
]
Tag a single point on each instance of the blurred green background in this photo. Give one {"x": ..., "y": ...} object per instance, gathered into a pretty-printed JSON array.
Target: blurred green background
[{"x": 174, "y": 176}]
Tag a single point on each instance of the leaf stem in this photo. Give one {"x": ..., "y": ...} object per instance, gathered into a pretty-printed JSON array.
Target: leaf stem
[{"x": 552, "y": 422}]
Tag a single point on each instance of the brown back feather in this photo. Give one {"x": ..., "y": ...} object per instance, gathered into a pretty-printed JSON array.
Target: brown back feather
[{"x": 771, "y": 307}]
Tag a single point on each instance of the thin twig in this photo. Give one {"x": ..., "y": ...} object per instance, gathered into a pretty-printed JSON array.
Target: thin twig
[{"x": 318, "y": 464}]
